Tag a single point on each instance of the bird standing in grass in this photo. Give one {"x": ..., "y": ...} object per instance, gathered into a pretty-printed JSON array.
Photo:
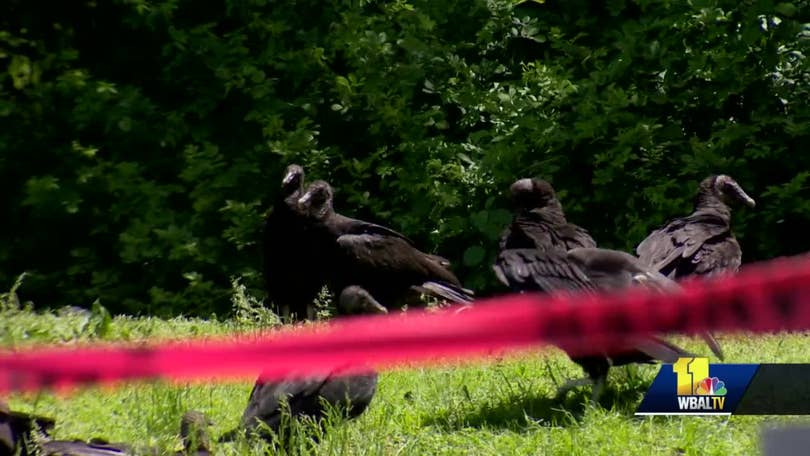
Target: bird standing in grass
[
  {"x": 286, "y": 253},
  {"x": 351, "y": 394},
  {"x": 541, "y": 251},
  {"x": 702, "y": 242},
  {"x": 383, "y": 261}
]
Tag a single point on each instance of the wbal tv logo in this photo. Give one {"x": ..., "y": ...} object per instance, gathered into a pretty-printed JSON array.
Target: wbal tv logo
[
  {"x": 687, "y": 388},
  {"x": 696, "y": 390}
]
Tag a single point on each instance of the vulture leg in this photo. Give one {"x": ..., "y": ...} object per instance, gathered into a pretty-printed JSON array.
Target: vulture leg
[
  {"x": 598, "y": 387},
  {"x": 597, "y": 369},
  {"x": 571, "y": 384}
]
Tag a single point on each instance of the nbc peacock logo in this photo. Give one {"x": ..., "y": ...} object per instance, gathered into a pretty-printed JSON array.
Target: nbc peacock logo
[
  {"x": 697, "y": 391},
  {"x": 711, "y": 386}
]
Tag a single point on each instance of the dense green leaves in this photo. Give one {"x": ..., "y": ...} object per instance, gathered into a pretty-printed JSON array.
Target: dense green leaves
[{"x": 141, "y": 143}]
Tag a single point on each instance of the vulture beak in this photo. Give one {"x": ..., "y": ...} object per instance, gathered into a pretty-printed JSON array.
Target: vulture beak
[
  {"x": 355, "y": 300},
  {"x": 733, "y": 189},
  {"x": 289, "y": 178},
  {"x": 742, "y": 196},
  {"x": 749, "y": 201},
  {"x": 375, "y": 306},
  {"x": 304, "y": 200}
]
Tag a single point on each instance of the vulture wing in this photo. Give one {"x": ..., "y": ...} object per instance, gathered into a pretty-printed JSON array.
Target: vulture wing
[
  {"x": 681, "y": 238},
  {"x": 532, "y": 230},
  {"x": 381, "y": 259},
  {"x": 615, "y": 269},
  {"x": 305, "y": 397},
  {"x": 503, "y": 240},
  {"x": 264, "y": 404},
  {"x": 352, "y": 391},
  {"x": 717, "y": 256},
  {"x": 377, "y": 254},
  {"x": 657, "y": 348},
  {"x": 528, "y": 269},
  {"x": 529, "y": 230},
  {"x": 572, "y": 236},
  {"x": 348, "y": 225},
  {"x": 533, "y": 270}
]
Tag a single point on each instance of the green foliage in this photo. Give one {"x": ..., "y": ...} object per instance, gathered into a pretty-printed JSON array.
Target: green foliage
[
  {"x": 248, "y": 311},
  {"x": 324, "y": 304},
  {"x": 142, "y": 142}
]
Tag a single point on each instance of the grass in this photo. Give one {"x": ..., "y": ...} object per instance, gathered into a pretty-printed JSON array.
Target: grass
[{"x": 500, "y": 406}]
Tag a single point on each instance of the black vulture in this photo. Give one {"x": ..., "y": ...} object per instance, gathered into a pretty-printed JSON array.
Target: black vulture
[
  {"x": 285, "y": 252},
  {"x": 613, "y": 270},
  {"x": 383, "y": 261},
  {"x": 16, "y": 429},
  {"x": 349, "y": 393},
  {"x": 701, "y": 243},
  {"x": 530, "y": 270},
  {"x": 82, "y": 448},
  {"x": 193, "y": 433},
  {"x": 539, "y": 236},
  {"x": 542, "y": 252},
  {"x": 539, "y": 222}
]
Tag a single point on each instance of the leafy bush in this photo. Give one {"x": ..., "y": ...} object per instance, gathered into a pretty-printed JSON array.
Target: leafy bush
[{"x": 141, "y": 143}]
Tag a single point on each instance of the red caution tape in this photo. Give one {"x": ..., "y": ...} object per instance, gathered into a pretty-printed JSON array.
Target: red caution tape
[{"x": 764, "y": 297}]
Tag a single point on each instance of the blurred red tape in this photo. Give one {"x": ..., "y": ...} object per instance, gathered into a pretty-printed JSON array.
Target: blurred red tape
[{"x": 764, "y": 297}]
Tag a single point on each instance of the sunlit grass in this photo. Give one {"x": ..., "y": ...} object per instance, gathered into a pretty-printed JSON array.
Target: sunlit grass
[{"x": 494, "y": 406}]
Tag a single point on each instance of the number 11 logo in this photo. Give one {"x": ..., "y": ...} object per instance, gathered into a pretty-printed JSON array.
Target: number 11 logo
[{"x": 690, "y": 372}]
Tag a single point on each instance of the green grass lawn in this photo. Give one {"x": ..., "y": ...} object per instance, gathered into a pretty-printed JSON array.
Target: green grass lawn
[{"x": 498, "y": 407}]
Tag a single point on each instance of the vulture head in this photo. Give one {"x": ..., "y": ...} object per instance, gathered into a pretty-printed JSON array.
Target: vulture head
[
  {"x": 355, "y": 300},
  {"x": 726, "y": 189},
  {"x": 293, "y": 179},
  {"x": 532, "y": 193},
  {"x": 194, "y": 430},
  {"x": 317, "y": 201}
]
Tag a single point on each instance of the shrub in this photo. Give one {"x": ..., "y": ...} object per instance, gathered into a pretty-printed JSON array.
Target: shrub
[{"x": 141, "y": 143}]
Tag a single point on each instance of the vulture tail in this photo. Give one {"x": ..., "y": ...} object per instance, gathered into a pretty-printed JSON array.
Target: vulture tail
[
  {"x": 448, "y": 291},
  {"x": 661, "y": 350},
  {"x": 713, "y": 344}
]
